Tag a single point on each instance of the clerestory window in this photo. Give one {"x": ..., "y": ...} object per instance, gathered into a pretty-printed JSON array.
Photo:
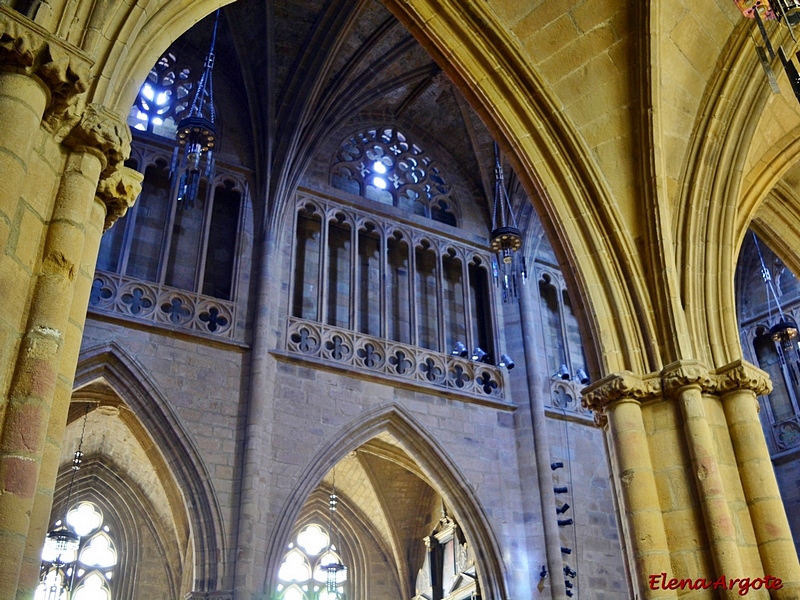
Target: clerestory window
[
  {"x": 163, "y": 98},
  {"x": 384, "y": 165},
  {"x": 161, "y": 241},
  {"x": 356, "y": 271}
]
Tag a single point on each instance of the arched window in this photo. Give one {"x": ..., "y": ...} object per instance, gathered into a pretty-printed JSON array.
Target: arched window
[
  {"x": 161, "y": 241},
  {"x": 361, "y": 273},
  {"x": 302, "y": 575},
  {"x": 93, "y": 574},
  {"x": 384, "y": 165}
]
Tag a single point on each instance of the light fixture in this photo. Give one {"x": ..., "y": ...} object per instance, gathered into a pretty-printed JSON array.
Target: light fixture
[
  {"x": 479, "y": 354},
  {"x": 565, "y": 550},
  {"x": 569, "y": 572},
  {"x": 561, "y": 490},
  {"x": 582, "y": 376},
  {"x": 786, "y": 11},
  {"x": 460, "y": 350},
  {"x": 61, "y": 544},
  {"x": 563, "y": 373},
  {"x": 785, "y": 330},
  {"x": 562, "y": 509},
  {"x": 505, "y": 238},
  {"x": 334, "y": 568},
  {"x": 564, "y": 522},
  {"x": 505, "y": 361},
  {"x": 197, "y": 134},
  {"x": 556, "y": 465}
]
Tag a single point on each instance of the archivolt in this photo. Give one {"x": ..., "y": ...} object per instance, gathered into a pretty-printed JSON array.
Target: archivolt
[
  {"x": 112, "y": 364},
  {"x": 434, "y": 464}
]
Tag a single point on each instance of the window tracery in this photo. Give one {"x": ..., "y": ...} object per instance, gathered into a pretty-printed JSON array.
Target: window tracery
[
  {"x": 163, "y": 97},
  {"x": 384, "y": 165},
  {"x": 391, "y": 298},
  {"x": 165, "y": 264},
  {"x": 93, "y": 573},
  {"x": 301, "y": 575}
]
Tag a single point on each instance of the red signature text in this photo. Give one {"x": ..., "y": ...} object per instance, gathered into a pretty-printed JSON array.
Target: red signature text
[{"x": 742, "y": 585}]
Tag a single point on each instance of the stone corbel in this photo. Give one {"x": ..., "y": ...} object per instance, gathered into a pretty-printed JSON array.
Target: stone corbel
[
  {"x": 26, "y": 47},
  {"x": 118, "y": 191},
  {"x": 101, "y": 132}
]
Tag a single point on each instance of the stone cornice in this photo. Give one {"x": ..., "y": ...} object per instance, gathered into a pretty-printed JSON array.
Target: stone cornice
[{"x": 25, "y": 47}]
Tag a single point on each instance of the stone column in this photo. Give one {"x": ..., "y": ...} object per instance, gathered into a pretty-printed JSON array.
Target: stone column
[
  {"x": 739, "y": 385},
  {"x": 552, "y": 539},
  {"x": 686, "y": 381},
  {"x": 40, "y": 77},
  {"x": 41, "y": 387},
  {"x": 618, "y": 400}
]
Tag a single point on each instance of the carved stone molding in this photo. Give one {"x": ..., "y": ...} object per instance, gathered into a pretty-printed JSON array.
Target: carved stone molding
[
  {"x": 741, "y": 374},
  {"x": 683, "y": 373},
  {"x": 624, "y": 385},
  {"x": 25, "y": 47},
  {"x": 118, "y": 191},
  {"x": 102, "y": 131}
]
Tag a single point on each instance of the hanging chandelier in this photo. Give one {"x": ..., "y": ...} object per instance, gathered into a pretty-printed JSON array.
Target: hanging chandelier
[
  {"x": 335, "y": 568},
  {"x": 785, "y": 330},
  {"x": 505, "y": 239},
  {"x": 197, "y": 134},
  {"x": 787, "y": 12},
  {"x": 61, "y": 544}
]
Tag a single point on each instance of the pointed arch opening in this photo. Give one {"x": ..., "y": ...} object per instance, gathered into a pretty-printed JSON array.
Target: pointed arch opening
[
  {"x": 124, "y": 396},
  {"x": 385, "y": 459}
]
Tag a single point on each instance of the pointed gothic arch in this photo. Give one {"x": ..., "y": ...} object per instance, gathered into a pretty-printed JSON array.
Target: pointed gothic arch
[
  {"x": 142, "y": 396},
  {"x": 485, "y": 63},
  {"x": 433, "y": 463}
]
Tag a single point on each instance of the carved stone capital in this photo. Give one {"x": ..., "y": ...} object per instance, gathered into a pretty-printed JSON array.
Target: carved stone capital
[
  {"x": 739, "y": 375},
  {"x": 624, "y": 385},
  {"x": 25, "y": 47},
  {"x": 683, "y": 373},
  {"x": 102, "y": 131},
  {"x": 118, "y": 191}
]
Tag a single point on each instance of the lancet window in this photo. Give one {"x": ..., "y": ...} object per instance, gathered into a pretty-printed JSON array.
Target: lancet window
[
  {"x": 384, "y": 165},
  {"x": 161, "y": 241},
  {"x": 353, "y": 270},
  {"x": 562, "y": 339}
]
